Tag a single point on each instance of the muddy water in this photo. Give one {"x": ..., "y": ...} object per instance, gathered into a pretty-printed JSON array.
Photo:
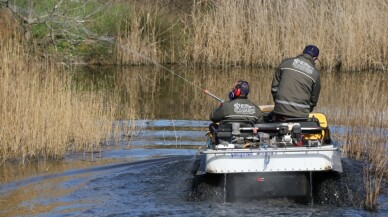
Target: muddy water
[
  {"x": 151, "y": 177},
  {"x": 149, "y": 172}
]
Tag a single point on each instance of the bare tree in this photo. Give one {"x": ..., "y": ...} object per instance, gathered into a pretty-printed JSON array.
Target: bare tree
[{"x": 63, "y": 19}]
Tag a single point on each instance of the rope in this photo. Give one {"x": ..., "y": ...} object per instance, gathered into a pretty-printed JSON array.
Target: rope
[{"x": 266, "y": 156}]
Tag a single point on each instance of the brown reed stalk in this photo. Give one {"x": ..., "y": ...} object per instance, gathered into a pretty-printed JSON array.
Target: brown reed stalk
[
  {"x": 357, "y": 101},
  {"x": 263, "y": 32},
  {"x": 148, "y": 32},
  {"x": 373, "y": 177},
  {"x": 42, "y": 116}
]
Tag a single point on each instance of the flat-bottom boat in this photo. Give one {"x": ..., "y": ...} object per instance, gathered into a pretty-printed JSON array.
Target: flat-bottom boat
[{"x": 271, "y": 159}]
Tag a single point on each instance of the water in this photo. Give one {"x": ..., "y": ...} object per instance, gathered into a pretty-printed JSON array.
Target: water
[
  {"x": 144, "y": 181},
  {"x": 150, "y": 172}
]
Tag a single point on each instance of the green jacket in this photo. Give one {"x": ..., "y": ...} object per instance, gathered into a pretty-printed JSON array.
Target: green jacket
[
  {"x": 295, "y": 86},
  {"x": 239, "y": 108}
]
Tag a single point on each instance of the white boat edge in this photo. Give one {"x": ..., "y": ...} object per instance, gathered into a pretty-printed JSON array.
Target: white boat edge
[{"x": 291, "y": 159}]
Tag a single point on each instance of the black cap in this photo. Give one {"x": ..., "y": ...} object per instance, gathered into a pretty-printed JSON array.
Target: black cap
[{"x": 312, "y": 50}]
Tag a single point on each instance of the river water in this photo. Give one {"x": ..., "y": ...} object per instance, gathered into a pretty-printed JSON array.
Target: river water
[{"x": 150, "y": 171}]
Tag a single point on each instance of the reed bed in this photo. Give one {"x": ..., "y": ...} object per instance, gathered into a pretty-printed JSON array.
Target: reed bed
[
  {"x": 147, "y": 32},
  {"x": 263, "y": 32},
  {"x": 357, "y": 101},
  {"x": 226, "y": 33},
  {"x": 132, "y": 43},
  {"x": 348, "y": 33},
  {"x": 369, "y": 146},
  {"x": 362, "y": 109},
  {"x": 41, "y": 115}
]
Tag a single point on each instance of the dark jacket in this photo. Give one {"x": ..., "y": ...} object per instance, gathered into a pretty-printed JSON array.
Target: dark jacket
[
  {"x": 295, "y": 86},
  {"x": 239, "y": 108}
]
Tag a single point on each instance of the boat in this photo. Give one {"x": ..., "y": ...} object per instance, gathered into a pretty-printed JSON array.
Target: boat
[{"x": 271, "y": 159}]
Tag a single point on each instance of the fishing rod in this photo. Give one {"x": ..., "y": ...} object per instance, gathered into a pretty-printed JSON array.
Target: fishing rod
[{"x": 112, "y": 41}]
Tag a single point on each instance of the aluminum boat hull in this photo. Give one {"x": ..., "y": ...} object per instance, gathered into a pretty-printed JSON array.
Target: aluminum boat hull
[{"x": 324, "y": 158}]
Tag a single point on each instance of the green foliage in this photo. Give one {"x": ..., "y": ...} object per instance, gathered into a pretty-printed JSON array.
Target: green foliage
[
  {"x": 39, "y": 31},
  {"x": 72, "y": 28}
]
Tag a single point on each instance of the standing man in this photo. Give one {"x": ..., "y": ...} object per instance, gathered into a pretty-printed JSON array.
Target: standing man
[{"x": 296, "y": 85}]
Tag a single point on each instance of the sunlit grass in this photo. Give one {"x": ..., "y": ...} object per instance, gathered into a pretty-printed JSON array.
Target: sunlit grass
[
  {"x": 41, "y": 115},
  {"x": 261, "y": 33},
  {"x": 219, "y": 33},
  {"x": 250, "y": 33}
]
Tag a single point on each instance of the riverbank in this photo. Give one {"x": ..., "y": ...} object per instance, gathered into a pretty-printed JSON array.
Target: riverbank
[{"x": 211, "y": 32}]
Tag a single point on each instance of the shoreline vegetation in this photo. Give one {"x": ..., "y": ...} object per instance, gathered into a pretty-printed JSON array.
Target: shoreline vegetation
[
  {"x": 215, "y": 33},
  {"x": 41, "y": 114},
  {"x": 44, "y": 116}
]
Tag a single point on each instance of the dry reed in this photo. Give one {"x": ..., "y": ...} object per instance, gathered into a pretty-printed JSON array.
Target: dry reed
[
  {"x": 224, "y": 33},
  {"x": 132, "y": 43},
  {"x": 147, "y": 31},
  {"x": 348, "y": 33},
  {"x": 41, "y": 115}
]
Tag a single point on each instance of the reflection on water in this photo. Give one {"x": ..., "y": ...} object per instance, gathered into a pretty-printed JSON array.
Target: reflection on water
[
  {"x": 153, "y": 93},
  {"x": 171, "y": 120}
]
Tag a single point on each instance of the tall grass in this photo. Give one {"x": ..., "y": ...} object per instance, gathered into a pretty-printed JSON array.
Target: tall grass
[
  {"x": 357, "y": 101},
  {"x": 41, "y": 116},
  {"x": 348, "y": 33},
  {"x": 362, "y": 107},
  {"x": 150, "y": 31},
  {"x": 256, "y": 33}
]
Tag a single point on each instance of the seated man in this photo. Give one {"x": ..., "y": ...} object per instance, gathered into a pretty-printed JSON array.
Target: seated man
[{"x": 238, "y": 108}]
